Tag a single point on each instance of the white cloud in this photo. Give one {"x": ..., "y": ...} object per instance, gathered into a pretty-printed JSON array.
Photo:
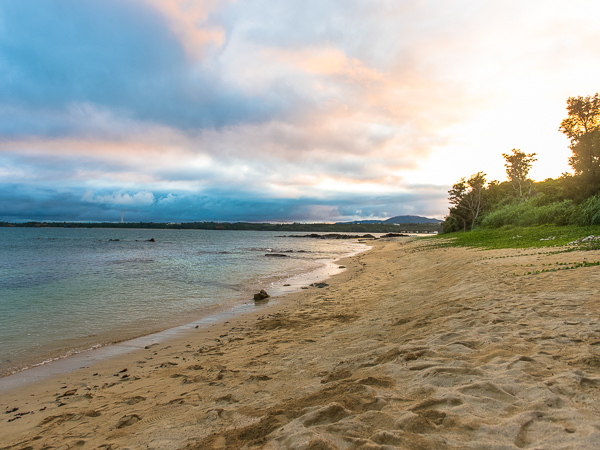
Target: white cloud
[{"x": 120, "y": 198}]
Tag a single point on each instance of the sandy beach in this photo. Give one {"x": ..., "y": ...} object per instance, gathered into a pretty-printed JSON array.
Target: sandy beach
[{"x": 411, "y": 347}]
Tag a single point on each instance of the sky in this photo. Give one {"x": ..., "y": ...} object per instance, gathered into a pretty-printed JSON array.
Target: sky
[{"x": 281, "y": 111}]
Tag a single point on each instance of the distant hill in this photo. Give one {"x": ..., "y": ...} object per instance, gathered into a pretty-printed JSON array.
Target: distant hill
[
  {"x": 412, "y": 219},
  {"x": 399, "y": 219}
]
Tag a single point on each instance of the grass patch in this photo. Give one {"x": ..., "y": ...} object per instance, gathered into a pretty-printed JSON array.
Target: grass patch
[{"x": 519, "y": 237}]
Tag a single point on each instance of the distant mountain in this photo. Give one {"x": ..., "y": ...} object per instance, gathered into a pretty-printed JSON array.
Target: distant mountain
[
  {"x": 399, "y": 219},
  {"x": 360, "y": 222},
  {"x": 412, "y": 219}
]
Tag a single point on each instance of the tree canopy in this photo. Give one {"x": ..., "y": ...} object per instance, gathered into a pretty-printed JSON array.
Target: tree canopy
[
  {"x": 517, "y": 166},
  {"x": 467, "y": 198},
  {"x": 583, "y": 116},
  {"x": 582, "y": 127},
  {"x": 569, "y": 199}
]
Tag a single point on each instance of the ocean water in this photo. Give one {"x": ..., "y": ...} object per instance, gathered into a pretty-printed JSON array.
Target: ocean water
[{"x": 65, "y": 290}]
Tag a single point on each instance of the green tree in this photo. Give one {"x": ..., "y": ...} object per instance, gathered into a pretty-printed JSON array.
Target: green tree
[
  {"x": 468, "y": 199},
  {"x": 455, "y": 221},
  {"x": 517, "y": 166},
  {"x": 498, "y": 193},
  {"x": 475, "y": 198},
  {"x": 582, "y": 127},
  {"x": 586, "y": 156},
  {"x": 457, "y": 195},
  {"x": 584, "y": 116}
]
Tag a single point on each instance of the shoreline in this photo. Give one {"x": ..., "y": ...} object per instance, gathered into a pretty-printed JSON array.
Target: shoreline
[
  {"x": 411, "y": 347},
  {"x": 208, "y": 315}
]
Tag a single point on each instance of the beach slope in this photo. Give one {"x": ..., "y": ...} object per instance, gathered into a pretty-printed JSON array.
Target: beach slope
[{"x": 411, "y": 347}]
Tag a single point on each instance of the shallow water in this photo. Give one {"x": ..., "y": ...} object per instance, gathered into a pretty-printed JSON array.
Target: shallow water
[{"x": 65, "y": 290}]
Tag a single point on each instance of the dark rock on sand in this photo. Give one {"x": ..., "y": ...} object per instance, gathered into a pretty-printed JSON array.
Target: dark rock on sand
[
  {"x": 319, "y": 285},
  {"x": 394, "y": 235},
  {"x": 262, "y": 295}
]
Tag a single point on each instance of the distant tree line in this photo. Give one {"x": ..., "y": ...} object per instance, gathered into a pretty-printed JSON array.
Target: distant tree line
[
  {"x": 571, "y": 199},
  {"x": 283, "y": 227}
]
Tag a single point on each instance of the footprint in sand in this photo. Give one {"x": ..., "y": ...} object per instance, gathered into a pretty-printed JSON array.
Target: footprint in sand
[
  {"x": 128, "y": 420},
  {"x": 134, "y": 400}
]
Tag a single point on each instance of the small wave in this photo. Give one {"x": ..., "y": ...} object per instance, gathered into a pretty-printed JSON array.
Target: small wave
[{"x": 12, "y": 371}]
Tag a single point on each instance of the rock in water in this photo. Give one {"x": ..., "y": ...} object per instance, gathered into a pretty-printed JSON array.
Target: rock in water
[{"x": 262, "y": 295}]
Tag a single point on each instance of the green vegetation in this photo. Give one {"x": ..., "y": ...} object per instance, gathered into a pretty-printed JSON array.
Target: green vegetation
[
  {"x": 520, "y": 237},
  {"x": 570, "y": 200}
]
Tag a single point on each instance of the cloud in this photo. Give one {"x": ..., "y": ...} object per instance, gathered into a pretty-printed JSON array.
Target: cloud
[
  {"x": 113, "y": 54},
  {"x": 189, "y": 21},
  {"x": 25, "y": 202},
  {"x": 258, "y": 109},
  {"x": 120, "y": 198}
]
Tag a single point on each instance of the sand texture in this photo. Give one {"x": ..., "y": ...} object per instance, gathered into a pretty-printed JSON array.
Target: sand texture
[{"x": 411, "y": 348}]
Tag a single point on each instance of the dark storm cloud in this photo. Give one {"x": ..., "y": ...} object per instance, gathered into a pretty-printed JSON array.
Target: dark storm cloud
[{"x": 23, "y": 202}]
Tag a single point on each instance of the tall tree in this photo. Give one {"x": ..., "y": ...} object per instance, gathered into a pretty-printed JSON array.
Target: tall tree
[
  {"x": 474, "y": 199},
  {"x": 584, "y": 116},
  {"x": 582, "y": 127},
  {"x": 457, "y": 195},
  {"x": 517, "y": 166},
  {"x": 586, "y": 156},
  {"x": 468, "y": 198}
]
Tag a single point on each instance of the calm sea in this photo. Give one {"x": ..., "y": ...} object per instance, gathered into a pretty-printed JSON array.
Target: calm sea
[{"x": 66, "y": 290}]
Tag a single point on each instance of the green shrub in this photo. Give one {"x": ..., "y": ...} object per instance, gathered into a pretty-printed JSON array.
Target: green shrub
[
  {"x": 587, "y": 213},
  {"x": 530, "y": 213}
]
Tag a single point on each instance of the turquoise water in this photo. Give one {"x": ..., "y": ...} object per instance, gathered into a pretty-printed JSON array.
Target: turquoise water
[{"x": 66, "y": 290}]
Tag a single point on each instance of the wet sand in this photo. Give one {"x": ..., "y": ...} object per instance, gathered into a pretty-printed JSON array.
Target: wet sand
[{"x": 410, "y": 347}]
